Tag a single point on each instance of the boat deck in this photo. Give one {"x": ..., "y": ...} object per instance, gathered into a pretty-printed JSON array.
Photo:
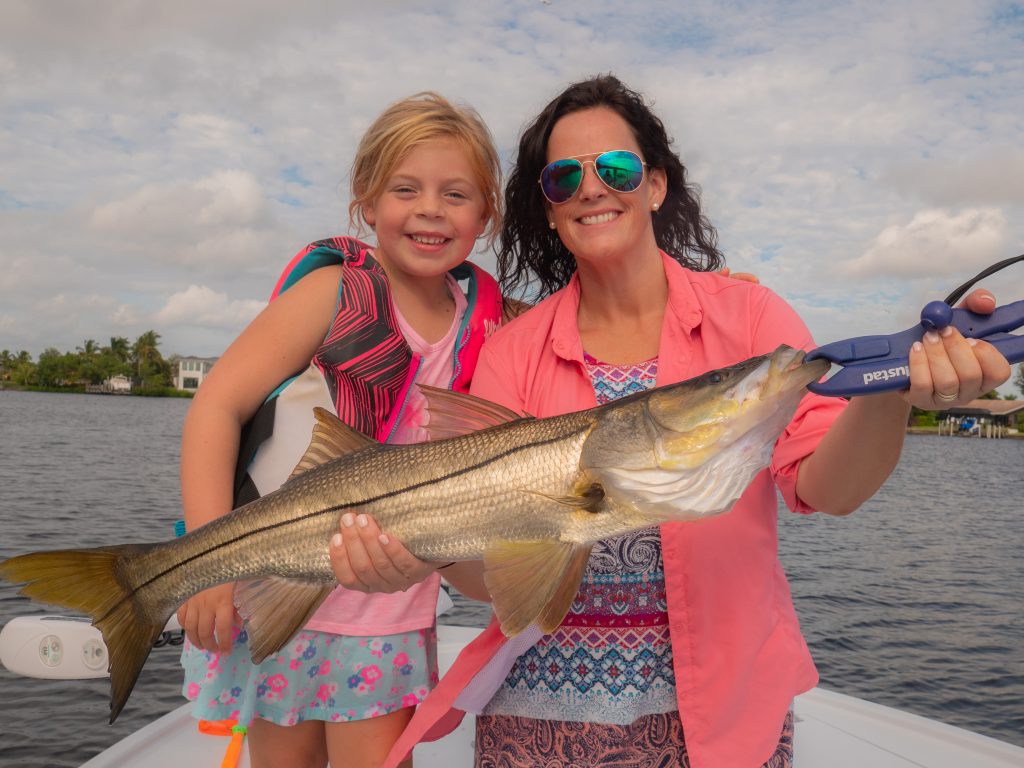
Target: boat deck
[{"x": 832, "y": 731}]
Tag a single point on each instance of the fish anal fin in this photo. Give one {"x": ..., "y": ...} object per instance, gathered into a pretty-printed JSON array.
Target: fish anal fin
[
  {"x": 331, "y": 438},
  {"x": 533, "y": 581},
  {"x": 275, "y": 609},
  {"x": 452, "y": 414},
  {"x": 558, "y": 606}
]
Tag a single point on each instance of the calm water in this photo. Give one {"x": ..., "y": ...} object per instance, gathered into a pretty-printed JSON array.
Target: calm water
[{"x": 915, "y": 601}]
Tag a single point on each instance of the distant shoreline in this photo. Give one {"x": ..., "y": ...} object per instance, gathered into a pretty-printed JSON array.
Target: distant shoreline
[
  {"x": 934, "y": 431},
  {"x": 911, "y": 430},
  {"x": 165, "y": 392}
]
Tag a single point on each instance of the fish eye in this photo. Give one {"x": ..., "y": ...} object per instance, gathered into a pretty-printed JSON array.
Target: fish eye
[{"x": 716, "y": 377}]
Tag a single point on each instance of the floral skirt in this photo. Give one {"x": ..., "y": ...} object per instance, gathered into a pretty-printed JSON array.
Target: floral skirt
[
  {"x": 317, "y": 676},
  {"x": 653, "y": 741}
]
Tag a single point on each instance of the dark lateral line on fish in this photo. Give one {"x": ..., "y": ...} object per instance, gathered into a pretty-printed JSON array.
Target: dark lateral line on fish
[{"x": 338, "y": 508}]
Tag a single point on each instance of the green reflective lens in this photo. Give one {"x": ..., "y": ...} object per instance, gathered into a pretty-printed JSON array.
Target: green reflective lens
[
  {"x": 561, "y": 179},
  {"x": 620, "y": 170}
]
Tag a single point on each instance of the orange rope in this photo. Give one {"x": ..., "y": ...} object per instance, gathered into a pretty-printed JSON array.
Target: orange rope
[
  {"x": 234, "y": 750},
  {"x": 226, "y": 728}
]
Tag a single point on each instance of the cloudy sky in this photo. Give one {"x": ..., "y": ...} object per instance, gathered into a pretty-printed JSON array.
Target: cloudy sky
[{"x": 162, "y": 161}]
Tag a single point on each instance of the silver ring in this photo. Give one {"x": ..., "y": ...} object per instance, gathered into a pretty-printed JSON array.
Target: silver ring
[{"x": 947, "y": 398}]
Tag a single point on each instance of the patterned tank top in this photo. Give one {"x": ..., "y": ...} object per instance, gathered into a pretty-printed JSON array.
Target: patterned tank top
[{"x": 610, "y": 661}]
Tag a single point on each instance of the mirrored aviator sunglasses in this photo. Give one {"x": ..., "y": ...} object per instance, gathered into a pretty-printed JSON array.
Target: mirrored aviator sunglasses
[{"x": 619, "y": 169}]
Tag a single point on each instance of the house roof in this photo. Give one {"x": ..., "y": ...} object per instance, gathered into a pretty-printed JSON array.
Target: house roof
[{"x": 992, "y": 407}]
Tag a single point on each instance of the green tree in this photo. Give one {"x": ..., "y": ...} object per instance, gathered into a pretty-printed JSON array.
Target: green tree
[
  {"x": 89, "y": 370},
  {"x": 1019, "y": 378},
  {"x": 120, "y": 348},
  {"x": 53, "y": 369},
  {"x": 151, "y": 370},
  {"x": 24, "y": 372},
  {"x": 88, "y": 348}
]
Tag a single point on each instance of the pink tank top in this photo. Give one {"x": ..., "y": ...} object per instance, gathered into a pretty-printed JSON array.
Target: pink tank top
[{"x": 346, "y": 612}]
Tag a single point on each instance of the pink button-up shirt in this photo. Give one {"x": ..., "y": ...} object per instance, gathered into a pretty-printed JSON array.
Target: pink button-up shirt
[{"x": 738, "y": 653}]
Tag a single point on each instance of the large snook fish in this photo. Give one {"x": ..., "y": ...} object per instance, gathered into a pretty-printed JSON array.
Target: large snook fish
[{"x": 527, "y": 496}]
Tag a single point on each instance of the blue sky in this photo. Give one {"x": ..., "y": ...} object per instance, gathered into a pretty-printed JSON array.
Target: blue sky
[{"x": 162, "y": 162}]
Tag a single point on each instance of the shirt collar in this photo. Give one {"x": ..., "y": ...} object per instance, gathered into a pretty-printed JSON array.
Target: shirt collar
[{"x": 683, "y": 313}]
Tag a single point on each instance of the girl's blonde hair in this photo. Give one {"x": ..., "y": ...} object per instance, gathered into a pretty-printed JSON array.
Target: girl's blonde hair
[{"x": 413, "y": 121}]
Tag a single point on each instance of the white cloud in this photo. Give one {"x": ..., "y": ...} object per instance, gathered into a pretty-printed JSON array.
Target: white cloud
[
  {"x": 150, "y": 148},
  {"x": 988, "y": 175},
  {"x": 206, "y": 131},
  {"x": 218, "y": 221},
  {"x": 227, "y": 198},
  {"x": 203, "y": 306},
  {"x": 936, "y": 242}
]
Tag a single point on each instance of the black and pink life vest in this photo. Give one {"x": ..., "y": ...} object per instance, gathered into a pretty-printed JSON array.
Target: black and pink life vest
[{"x": 364, "y": 368}]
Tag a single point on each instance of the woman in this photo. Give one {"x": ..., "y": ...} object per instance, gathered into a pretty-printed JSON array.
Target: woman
[{"x": 696, "y": 618}]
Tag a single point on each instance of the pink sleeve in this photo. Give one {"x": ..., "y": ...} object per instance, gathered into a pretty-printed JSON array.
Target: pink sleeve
[{"x": 777, "y": 323}]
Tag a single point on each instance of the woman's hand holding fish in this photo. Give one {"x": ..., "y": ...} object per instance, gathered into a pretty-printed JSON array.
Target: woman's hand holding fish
[
  {"x": 947, "y": 370},
  {"x": 208, "y": 618},
  {"x": 368, "y": 560}
]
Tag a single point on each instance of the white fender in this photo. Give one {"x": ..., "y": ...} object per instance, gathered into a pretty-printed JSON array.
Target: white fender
[
  {"x": 57, "y": 647},
  {"x": 70, "y": 648}
]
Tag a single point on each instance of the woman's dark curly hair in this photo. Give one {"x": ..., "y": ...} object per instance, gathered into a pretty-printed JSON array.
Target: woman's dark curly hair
[{"x": 531, "y": 251}]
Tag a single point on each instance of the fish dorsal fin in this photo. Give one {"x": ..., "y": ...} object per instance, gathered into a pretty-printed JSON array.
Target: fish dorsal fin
[
  {"x": 275, "y": 609},
  {"x": 533, "y": 581},
  {"x": 453, "y": 414},
  {"x": 331, "y": 438}
]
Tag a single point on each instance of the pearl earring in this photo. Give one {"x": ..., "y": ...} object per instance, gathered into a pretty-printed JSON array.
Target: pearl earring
[
  {"x": 552, "y": 225},
  {"x": 655, "y": 207}
]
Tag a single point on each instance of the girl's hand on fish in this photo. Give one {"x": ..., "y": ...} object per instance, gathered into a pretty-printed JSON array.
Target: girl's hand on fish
[
  {"x": 368, "y": 560},
  {"x": 209, "y": 617},
  {"x": 948, "y": 370}
]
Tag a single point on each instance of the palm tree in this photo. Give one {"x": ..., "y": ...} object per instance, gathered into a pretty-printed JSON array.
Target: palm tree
[
  {"x": 88, "y": 348},
  {"x": 120, "y": 348},
  {"x": 150, "y": 366}
]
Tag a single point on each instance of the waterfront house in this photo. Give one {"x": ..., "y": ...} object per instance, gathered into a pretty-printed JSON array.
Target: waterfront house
[
  {"x": 115, "y": 385},
  {"x": 119, "y": 384},
  {"x": 191, "y": 371},
  {"x": 1003, "y": 416}
]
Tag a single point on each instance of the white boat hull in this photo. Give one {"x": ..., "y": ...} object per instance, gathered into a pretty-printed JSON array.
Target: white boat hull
[{"x": 832, "y": 731}]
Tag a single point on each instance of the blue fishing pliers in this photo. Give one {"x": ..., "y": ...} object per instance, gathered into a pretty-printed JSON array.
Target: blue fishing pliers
[{"x": 873, "y": 364}]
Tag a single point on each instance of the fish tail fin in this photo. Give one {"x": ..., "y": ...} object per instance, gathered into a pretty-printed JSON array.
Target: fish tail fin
[{"x": 91, "y": 581}]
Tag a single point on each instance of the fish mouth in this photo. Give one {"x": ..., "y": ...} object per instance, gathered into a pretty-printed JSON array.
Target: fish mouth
[
  {"x": 802, "y": 372},
  {"x": 780, "y": 374},
  {"x": 789, "y": 370}
]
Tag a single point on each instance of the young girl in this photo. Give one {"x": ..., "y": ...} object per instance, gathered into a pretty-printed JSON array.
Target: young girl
[{"x": 353, "y": 326}]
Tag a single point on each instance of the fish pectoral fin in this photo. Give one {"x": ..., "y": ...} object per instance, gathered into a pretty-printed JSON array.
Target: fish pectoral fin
[
  {"x": 587, "y": 498},
  {"x": 331, "y": 438},
  {"x": 452, "y": 414},
  {"x": 275, "y": 609},
  {"x": 533, "y": 581}
]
